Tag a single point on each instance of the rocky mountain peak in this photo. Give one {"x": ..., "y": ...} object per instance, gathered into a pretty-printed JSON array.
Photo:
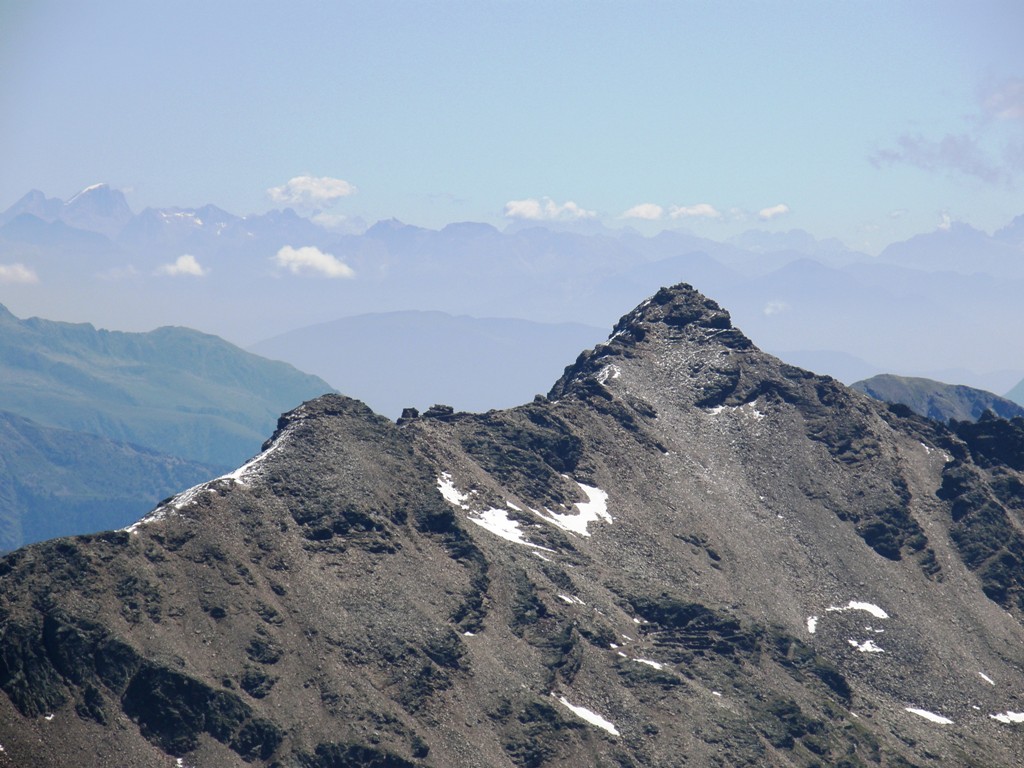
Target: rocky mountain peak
[
  {"x": 690, "y": 553},
  {"x": 97, "y": 208},
  {"x": 675, "y": 317}
]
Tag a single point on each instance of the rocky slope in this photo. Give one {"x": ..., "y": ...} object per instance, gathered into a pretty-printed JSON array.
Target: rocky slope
[
  {"x": 937, "y": 400},
  {"x": 689, "y": 553}
]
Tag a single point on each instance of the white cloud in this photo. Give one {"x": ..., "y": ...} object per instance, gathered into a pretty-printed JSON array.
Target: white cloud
[
  {"x": 311, "y": 191},
  {"x": 545, "y": 209},
  {"x": 945, "y": 222},
  {"x": 775, "y": 308},
  {"x": 698, "y": 211},
  {"x": 647, "y": 211},
  {"x": 311, "y": 259},
  {"x": 183, "y": 265},
  {"x": 771, "y": 212},
  {"x": 17, "y": 273}
]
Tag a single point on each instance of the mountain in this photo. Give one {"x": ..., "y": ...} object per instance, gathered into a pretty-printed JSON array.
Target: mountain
[
  {"x": 98, "y": 208},
  {"x": 962, "y": 249},
  {"x": 936, "y": 400},
  {"x": 54, "y": 482},
  {"x": 394, "y": 360},
  {"x": 923, "y": 307},
  {"x": 688, "y": 553},
  {"x": 36, "y": 204},
  {"x": 1016, "y": 394},
  {"x": 173, "y": 390}
]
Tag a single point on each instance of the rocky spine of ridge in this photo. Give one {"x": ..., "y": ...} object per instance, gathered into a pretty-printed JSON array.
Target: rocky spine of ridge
[{"x": 689, "y": 553}]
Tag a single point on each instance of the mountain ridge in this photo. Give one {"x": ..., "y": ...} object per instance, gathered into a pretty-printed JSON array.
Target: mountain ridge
[
  {"x": 938, "y": 400},
  {"x": 689, "y": 550},
  {"x": 173, "y": 389}
]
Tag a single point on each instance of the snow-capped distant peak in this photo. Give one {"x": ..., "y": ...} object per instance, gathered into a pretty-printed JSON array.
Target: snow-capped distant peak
[{"x": 87, "y": 190}]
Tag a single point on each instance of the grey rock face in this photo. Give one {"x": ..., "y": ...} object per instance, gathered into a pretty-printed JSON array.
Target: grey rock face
[{"x": 689, "y": 553}]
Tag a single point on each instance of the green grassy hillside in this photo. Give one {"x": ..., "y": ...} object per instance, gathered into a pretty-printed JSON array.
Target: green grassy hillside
[{"x": 174, "y": 390}]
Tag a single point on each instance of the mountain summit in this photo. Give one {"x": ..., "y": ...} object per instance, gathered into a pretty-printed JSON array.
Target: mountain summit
[{"x": 688, "y": 553}]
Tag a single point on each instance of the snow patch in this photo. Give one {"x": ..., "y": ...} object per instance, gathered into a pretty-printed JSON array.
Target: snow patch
[
  {"x": 929, "y": 716},
  {"x": 868, "y": 646},
  {"x": 571, "y": 600},
  {"x": 987, "y": 679},
  {"x": 591, "y": 717},
  {"x": 251, "y": 468},
  {"x": 450, "y": 493},
  {"x": 1009, "y": 717},
  {"x": 494, "y": 520},
  {"x": 240, "y": 476},
  {"x": 747, "y": 409},
  {"x": 656, "y": 664},
  {"x": 500, "y": 524},
  {"x": 812, "y": 624},
  {"x": 610, "y": 371},
  {"x": 854, "y": 605},
  {"x": 593, "y": 509}
]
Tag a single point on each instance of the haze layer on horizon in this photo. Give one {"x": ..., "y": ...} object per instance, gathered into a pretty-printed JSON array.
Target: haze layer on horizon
[{"x": 866, "y": 122}]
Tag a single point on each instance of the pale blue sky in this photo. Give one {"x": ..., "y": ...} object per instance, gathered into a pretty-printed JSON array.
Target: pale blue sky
[{"x": 867, "y": 121}]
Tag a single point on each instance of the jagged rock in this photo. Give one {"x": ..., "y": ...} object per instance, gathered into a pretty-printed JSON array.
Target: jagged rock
[{"x": 689, "y": 553}]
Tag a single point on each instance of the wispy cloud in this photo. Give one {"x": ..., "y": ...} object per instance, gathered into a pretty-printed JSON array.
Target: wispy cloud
[
  {"x": 991, "y": 149},
  {"x": 546, "y": 209},
  {"x": 17, "y": 273},
  {"x": 311, "y": 191},
  {"x": 310, "y": 259},
  {"x": 959, "y": 153},
  {"x": 698, "y": 211},
  {"x": 186, "y": 264},
  {"x": 646, "y": 211},
  {"x": 772, "y": 211},
  {"x": 775, "y": 308}
]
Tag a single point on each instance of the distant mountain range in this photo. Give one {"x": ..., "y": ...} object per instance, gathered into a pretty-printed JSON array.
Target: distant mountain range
[
  {"x": 99, "y": 425},
  {"x": 921, "y": 308},
  {"x": 936, "y": 400},
  {"x": 396, "y": 360}
]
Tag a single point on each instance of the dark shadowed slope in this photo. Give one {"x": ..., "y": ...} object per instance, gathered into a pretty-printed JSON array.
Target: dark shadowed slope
[
  {"x": 55, "y": 482},
  {"x": 937, "y": 400},
  {"x": 689, "y": 553}
]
